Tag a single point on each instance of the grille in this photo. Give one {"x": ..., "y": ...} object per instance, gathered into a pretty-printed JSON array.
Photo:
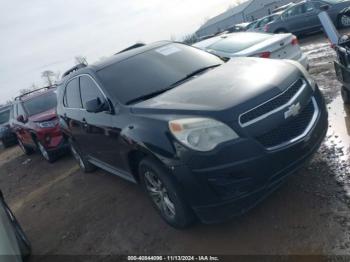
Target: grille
[
  {"x": 272, "y": 104},
  {"x": 290, "y": 130}
]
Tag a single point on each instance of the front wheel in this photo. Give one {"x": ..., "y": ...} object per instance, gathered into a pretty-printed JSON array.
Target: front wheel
[
  {"x": 344, "y": 21},
  {"x": 165, "y": 194},
  {"x": 26, "y": 150}
]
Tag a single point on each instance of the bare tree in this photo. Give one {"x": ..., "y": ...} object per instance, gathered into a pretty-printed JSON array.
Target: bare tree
[
  {"x": 190, "y": 39},
  {"x": 49, "y": 77},
  {"x": 80, "y": 60}
]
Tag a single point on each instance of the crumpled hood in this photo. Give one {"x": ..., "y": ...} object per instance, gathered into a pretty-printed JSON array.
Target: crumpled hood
[
  {"x": 227, "y": 86},
  {"x": 44, "y": 116}
]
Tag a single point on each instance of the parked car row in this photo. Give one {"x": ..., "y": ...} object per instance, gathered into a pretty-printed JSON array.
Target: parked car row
[
  {"x": 206, "y": 136},
  {"x": 302, "y": 17}
]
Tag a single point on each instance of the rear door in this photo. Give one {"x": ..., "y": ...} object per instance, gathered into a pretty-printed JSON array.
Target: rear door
[
  {"x": 312, "y": 9},
  {"x": 73, "y": 111},
  {"x": 294, "y": 19}
]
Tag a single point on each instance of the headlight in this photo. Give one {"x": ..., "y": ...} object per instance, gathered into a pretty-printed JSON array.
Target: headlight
[
  {"x": 48, "y": 124},
  {"x": 201, "y": 134},
  {"x": 306, "y": 74}
]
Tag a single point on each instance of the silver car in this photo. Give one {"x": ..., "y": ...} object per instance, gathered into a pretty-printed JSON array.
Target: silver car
[
  {"x": 253, "y": 44},
  {"x": 14, "y": 244}
]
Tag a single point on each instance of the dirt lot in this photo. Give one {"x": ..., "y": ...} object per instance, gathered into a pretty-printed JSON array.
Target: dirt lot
[{"x": 67, "y": 212}]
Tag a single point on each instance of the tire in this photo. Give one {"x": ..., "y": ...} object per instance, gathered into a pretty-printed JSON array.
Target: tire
[
  {"x": 49, "y": 156},
  {"x": 345, "y": 94},
  {"x": 84, "y": 164},
  {"x": 165, "y": 194},
  {"x": 5, "y": 144},
  {"x": 26, "y": 150},
  {"x": 22, "y": 240},
  {"x": 344, "y": 21}
]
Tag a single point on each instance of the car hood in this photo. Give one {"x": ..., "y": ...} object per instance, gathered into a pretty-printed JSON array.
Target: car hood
[
  {"x": 44, "y": 116},
  {"x": 233, "y": 84}
]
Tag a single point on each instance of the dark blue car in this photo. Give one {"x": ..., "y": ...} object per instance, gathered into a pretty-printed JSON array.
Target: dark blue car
[{"x": 302, "y": 18}]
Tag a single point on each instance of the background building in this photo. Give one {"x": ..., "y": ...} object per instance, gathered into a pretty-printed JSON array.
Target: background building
[{"x": 247, "y": 11}]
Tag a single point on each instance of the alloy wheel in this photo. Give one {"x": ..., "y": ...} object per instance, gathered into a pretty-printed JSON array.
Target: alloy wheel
[
  {"x": 345, "y": 20},
  {"x": 159, "y": 194}
]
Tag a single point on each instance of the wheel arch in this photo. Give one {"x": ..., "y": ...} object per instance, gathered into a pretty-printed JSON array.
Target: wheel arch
[{"x": 280, "y": 29}]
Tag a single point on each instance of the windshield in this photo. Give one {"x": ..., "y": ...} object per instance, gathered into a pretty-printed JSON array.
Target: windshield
[
  {"x": 238, "y": 42},
  {"x": 154, "y": 70},
  {"x": 40, "y": 104},
  {"x": 4, "y": 116}
]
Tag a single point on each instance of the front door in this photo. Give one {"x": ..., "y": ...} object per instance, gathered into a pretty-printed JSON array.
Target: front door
[{"x": 101, "y": 137}]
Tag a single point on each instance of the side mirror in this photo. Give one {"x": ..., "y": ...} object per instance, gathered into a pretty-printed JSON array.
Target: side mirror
[
  {"x": 21, "y": 119},
  {"x": 96, "y": 106},
  {"x": 324, "y": 7}
]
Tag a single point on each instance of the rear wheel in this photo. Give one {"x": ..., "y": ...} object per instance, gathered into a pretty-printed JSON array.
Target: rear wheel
[
  {"x": 26, "y": 150},
  {"x": 344, "y": 21},
  {"x": 49, "y": 156},
  {"x": 165, "y": 194},
  {"x": 345, "y": 94},
  {"x": 5, "y": 144},
  {"x": 84, "y": 164}
]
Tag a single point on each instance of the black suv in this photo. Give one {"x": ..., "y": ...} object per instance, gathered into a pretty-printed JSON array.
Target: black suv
[
  {"x": 206, "y": 138},
  {"x": 7, "y": 136}
]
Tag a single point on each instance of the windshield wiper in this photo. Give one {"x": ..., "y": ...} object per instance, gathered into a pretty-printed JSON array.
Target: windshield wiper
[
  {"x": 194, "y": 73},
  {"x": 158, "y": 92},
  {"x": 148, "y": 96}
]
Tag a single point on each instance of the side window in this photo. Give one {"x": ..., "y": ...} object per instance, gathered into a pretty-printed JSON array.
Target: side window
[
  {"x": 263, "y": 22},
  {"x": 72, "y": 94},
  {"x": 21, "y": 110},
  {"x": 309, "y": 7},
  {"x": 294, "y": 11},
  {"x": 89, "y": 90}
]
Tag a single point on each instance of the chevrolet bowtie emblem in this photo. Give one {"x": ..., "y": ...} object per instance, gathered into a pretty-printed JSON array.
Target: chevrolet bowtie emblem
[{"x": 293, "y": 110}]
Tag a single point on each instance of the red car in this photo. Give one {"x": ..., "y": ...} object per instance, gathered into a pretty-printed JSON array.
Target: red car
[{"x": 35, "y": 123}]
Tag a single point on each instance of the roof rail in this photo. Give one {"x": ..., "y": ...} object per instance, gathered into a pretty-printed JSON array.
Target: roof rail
[
  {"x": 137, "y": 45},
  {"x": 34, "y": 91},
  {"x": 73, "y": 69}
]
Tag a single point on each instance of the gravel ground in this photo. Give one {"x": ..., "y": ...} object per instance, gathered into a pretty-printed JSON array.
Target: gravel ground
[{"x": 65, "y": 211}]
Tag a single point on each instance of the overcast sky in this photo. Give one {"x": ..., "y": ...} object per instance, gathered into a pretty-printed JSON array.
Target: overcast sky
[{"x": 40, "y": 35}]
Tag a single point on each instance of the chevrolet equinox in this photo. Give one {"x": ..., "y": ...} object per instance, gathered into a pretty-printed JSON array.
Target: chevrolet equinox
[{"x": 206, "y": 138}]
